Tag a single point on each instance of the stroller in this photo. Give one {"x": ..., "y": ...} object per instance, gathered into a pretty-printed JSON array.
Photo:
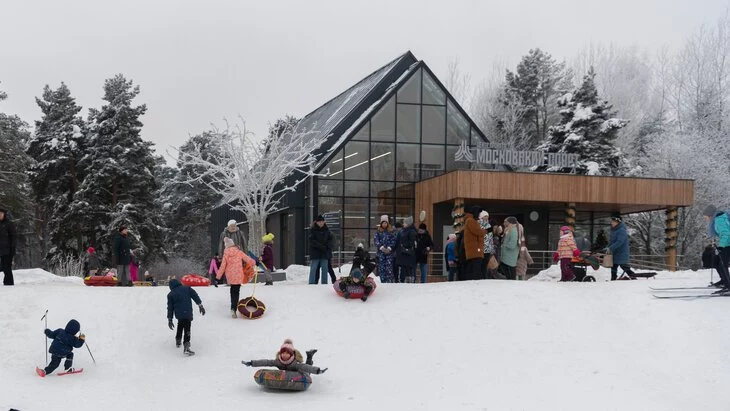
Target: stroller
[{"x": 581, "y": 263}]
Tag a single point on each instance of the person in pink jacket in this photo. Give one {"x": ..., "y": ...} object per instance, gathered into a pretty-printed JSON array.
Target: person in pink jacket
[
  {"x": 133, "y": 268},
  {"x": 239, "y": 269},
  {"x": 213, "y": 269},
  {"x": 567, "y": 249}
]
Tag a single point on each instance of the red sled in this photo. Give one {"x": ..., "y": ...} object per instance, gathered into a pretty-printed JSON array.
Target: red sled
[
  {"x": 101, "y": 281},
  {"x": 195, "y": 280},
  {"x": 356, "y": 290}
]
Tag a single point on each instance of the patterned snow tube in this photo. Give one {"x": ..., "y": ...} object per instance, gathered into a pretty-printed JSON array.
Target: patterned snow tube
[
  {"x": 251, "y": 308},
  {"x": 195, "y": 280},
  {"x": 283, "y": 380},
  {"x": 101, "y": 281},
  {"x": 355, "y": 290}
]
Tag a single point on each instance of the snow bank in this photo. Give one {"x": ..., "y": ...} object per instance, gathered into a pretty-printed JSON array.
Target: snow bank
[
  {"x": 552, "y": 273},
  {"x": 299, "y": 274},
  {"x": 35, "y": 276}
]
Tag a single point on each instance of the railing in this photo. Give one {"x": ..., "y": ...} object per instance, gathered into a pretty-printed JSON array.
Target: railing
[{"x": 542, "y": 259}]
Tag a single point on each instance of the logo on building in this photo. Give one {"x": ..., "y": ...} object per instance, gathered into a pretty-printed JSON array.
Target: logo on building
[{"x": 464, "y": 152}]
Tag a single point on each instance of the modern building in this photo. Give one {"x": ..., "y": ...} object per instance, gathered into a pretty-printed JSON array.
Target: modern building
[{"x": 399, "y": 143}]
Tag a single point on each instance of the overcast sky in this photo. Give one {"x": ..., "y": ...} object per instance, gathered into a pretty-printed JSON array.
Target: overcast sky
[{"x": 198, "y": 62}]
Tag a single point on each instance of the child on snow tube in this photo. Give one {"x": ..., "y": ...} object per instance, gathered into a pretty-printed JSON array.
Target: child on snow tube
[
  {"x": 291, "y": 374},
  {"x": 356, "y": 277}
]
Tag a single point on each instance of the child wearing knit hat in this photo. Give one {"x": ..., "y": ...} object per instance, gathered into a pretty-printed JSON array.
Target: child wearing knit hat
[
  {"x": 567, "y": 249},
  {"x": 289, "y": 359}
]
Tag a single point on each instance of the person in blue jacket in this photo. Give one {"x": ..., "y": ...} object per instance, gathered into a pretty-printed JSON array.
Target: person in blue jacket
[
  {"x": 64, "y": 341},
  {"x": 179, "y": 302},
  {"x": 619, "y": 247},
  {"x": 450, "y": 256},
  {"x": 718, "y": 225}
]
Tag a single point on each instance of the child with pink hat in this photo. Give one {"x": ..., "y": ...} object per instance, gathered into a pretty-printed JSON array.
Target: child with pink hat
[{"x": 567, "y": 249}]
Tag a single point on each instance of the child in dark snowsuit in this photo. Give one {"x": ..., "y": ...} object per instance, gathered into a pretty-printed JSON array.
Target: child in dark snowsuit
[
  {"x": 356, "y": 277},
  {"x": 64, "y": 341},
  {"x": 179, "y": 302},
  {"x": 288, "y": 359}
]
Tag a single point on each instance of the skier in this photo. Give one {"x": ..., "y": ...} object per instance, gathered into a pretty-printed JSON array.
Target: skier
[
  {"x": 240, "y": 269},
  {"x": 718, "y": 225},
  {"x": 286, "y": 359},
  {"x": 567, "y": 249},
  {"x": 64, "y": 341},
  {"x": 178, "y": 302}
]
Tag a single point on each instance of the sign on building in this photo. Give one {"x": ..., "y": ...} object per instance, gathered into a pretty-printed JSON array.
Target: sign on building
[{"x": 491, "y": 154}]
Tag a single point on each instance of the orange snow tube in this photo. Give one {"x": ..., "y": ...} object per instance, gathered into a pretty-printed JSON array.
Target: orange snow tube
[
  {"x": 251, "y": 308},
  {"x": 101, "y": 281}
]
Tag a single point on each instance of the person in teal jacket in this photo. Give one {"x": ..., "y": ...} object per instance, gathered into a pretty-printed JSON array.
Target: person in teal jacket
[
  {"x": 718, "y": 225},
  {"x": 619, "y": 247},
  {"x": 510, "y": 249}
]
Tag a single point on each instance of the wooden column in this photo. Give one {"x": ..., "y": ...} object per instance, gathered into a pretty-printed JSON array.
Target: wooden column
[
  {"x": 458, "y": 214},
  {"x": 570, "y": 215},
  {"x": 670, "y": 239}
]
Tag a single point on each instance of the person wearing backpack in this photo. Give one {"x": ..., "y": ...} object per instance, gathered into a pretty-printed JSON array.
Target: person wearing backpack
[
  {"x": 405, "y": 256},
  {"x": 718, "y": 225}
]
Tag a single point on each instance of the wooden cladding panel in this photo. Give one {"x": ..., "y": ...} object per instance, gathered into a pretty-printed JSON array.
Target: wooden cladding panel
[{"x": 555, "y": 188}]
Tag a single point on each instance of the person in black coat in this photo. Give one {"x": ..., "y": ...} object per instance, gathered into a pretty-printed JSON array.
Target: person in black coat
[
  {"x": 423, "y": 248},
  {"x": 405, "y": 251},
  {"x": 64, "y": 341},
  {"x": 8, "y": 244},
  {"x": 123, "y": 254},
  {"x": 179, "y": 302},
  {"x": 320, "y": 250}
]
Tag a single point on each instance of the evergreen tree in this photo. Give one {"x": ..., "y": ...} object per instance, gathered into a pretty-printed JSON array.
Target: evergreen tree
[
  {"x": 57, "y": 146},
  {"x": 120, "y": 183},
  {"x": 187, "y": 203},
  {"x": 589, "y": 129},
  {"x": 538, "y": 80}
]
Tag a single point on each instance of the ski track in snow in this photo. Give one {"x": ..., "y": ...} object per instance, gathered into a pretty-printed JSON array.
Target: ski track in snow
[{"x": 486, "y": 345}]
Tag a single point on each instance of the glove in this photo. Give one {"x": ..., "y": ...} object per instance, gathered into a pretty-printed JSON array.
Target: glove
[
  {"x": 247, "y": 363},
  {"x": 170, "y": 324},
  {"x": 556, "y": 257},
  {"x": 322, "y": 370},
  {"x": 82, "y": 337},
  {"x": 576, "y": 253},
  {"x": 202, "y": 309}
]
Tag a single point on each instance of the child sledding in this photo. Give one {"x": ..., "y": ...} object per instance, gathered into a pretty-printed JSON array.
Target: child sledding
[
  {"x": 64, "y": 341},
  {"x": 291, "y": 372},
  {"x": 358, "y": 284}
]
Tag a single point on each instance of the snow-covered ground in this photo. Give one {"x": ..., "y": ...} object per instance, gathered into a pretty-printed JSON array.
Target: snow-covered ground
[{"x": 486, "y": 345}]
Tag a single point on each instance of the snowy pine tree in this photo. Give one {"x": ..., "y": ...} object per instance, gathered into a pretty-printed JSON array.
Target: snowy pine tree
[
  {"x": 587, "y": 128},
  {"x": 57, "y": 146},
  {"x": 120, "y": 185}
]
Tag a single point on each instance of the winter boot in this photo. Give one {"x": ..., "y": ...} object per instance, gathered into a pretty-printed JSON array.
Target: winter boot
[
  {"x": 364, "y": 298},
  {"x": 187, "y": 350},
  {"x": 310, "y": 356},
  {"x": 346, "y": 294},
  {"x": 233, "y": 314},
  {"x": 269, "y": 283},
  {"x": 177, "y": 342}
]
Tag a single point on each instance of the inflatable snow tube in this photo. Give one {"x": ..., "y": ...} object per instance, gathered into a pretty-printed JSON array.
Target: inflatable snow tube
[
  {"x": 355, "y": 290},
  {"x": 195, "y": 280},
  {"x": 101, "y": 281},
  {"x": 251, "y": 308},
  {"x": 283, "y": 380}
]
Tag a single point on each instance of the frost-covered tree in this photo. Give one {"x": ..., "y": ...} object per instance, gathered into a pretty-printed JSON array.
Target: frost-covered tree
[
  {"x": 120, "y": 183},
  {"x": 253, "y": 176},
  {"x": 589, "y": 129},
  {"x": 57, "y": 146},
  {"x": 538, "y": 80},
  {"x": 186, "y": 202}
]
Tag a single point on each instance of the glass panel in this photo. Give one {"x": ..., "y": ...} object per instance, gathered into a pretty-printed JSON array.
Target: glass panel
[
  {"x": 432, "y": 93},
  {"x": 405, "y": 190},
  {"x": 330, "y": 205},
  {"x": 382, "y": 156},
  {"x": 432, "y": 161},
  {"x": 451, "y": 163},
  {"x": 356, "y": 212},
  {"x": 403, "y": 209},
  {"x": 434, "y": 124},
  {"x": 383, "y": 123},
  {"x": 378, "y": 207},
  {"x": 411, "y": 91},
  {"x": 408, "y": 158},
  {"x": 363, "y": 133},
  {"x": 330, "y": 187},
  {"x": 409, "y": 123},
  {"x": 351, "y": 238},
  {"x": 334, "y": 168},
  {"x": 356, "y": 188},
  {"x": 357, "y": 159},
  {"x": 476, "y": 137},
  {"x": 457, "y": 128},
  {"x": 382, "y": 189}
]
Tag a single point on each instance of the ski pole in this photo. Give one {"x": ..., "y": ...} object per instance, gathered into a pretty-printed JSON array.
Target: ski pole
[
  {"x": 45, "y": 317},
  {"x": 92, "y": 355}
]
